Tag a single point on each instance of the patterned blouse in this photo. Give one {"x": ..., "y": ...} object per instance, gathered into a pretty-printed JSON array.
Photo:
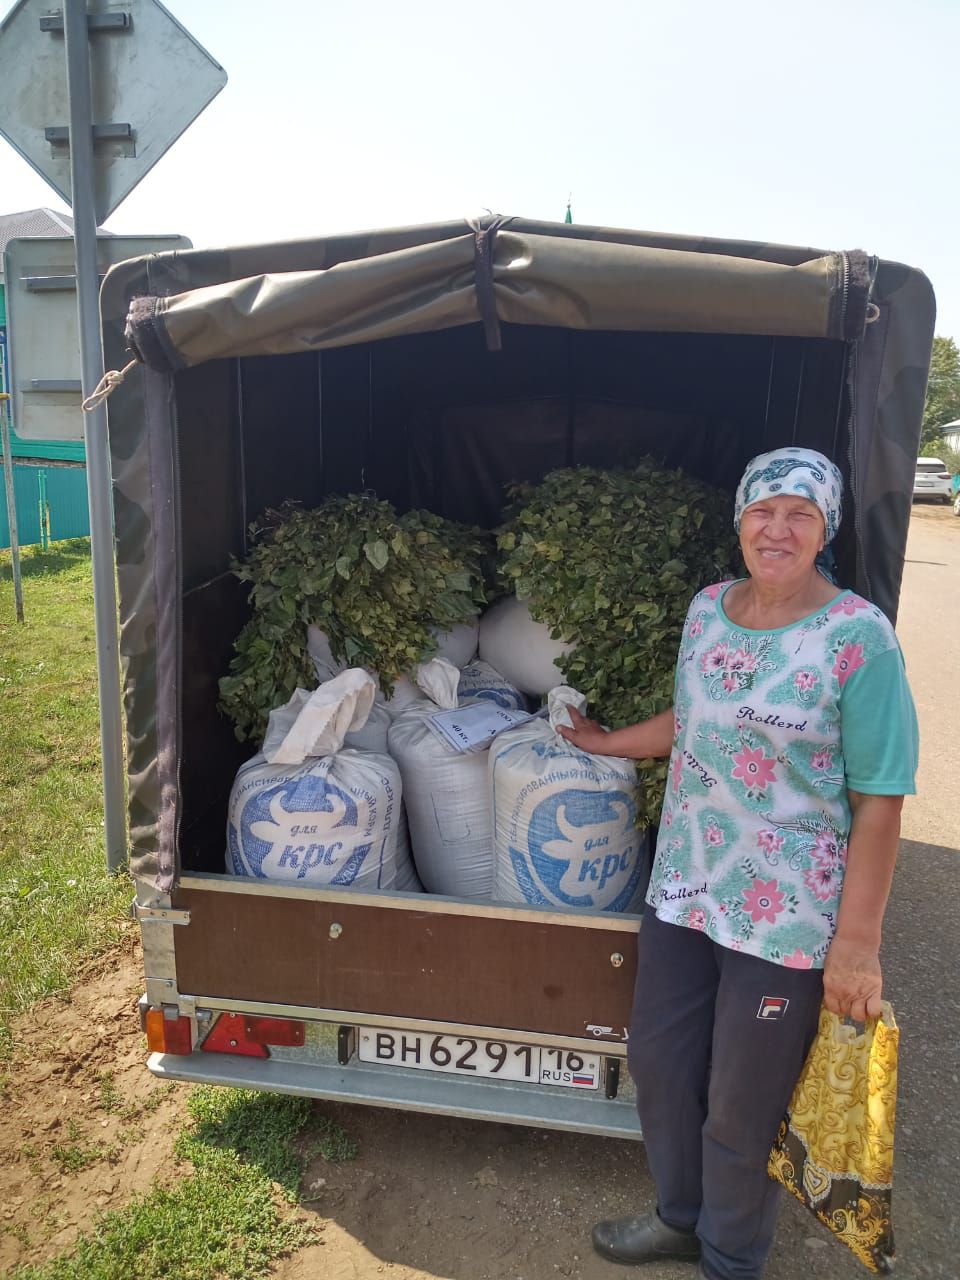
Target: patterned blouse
[{"x": 771, "y": 730}]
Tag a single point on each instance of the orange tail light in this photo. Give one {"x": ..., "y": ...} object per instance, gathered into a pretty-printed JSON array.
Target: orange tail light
[{"x": 167, "y": 1035}]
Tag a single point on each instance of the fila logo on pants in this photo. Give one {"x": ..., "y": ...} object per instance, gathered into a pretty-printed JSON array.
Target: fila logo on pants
[{"x": 772, "y": 1007}]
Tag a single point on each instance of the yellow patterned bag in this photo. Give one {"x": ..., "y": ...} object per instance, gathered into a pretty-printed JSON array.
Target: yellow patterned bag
[{"x": 834, "y": 1150}]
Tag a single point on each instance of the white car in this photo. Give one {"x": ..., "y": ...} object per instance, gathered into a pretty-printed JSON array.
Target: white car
[{"x": 932, "y": 480}]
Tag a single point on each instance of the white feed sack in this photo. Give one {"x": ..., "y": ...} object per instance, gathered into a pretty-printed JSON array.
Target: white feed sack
[
  {"x": 318, "y": 647},
  {"x": 308, "y": 811},
  {"x": 445, "y": 793},
  {"x": 371, "y": 736},
  {"x": 522, "y": 650},
  {"x": 405, "y": 694},
  {"x": 564, "y": 821},
  {"x": 457, "y": 646},
  {"x": 407, "y": 880},
  {"x": 480, "y": 683}
]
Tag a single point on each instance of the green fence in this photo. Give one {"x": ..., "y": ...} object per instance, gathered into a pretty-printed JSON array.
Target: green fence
[{"x": 51, "y": 504}]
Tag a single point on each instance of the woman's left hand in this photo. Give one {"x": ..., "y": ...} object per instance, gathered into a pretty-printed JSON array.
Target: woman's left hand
[{"x": 852, "y": 982}]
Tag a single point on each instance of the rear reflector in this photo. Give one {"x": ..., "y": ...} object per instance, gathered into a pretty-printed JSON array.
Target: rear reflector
[
  {"x": 167, "y": 1035},
  {"x": 249, "y": 1036},
  {"x": 275, "y": 1030}
]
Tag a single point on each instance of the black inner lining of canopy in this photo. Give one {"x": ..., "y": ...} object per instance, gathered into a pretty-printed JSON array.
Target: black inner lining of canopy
[{"x": 437, "y": 421}]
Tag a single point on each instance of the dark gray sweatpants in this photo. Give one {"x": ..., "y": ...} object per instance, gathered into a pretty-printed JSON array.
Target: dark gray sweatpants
[{"x": 717, "y": 1041}]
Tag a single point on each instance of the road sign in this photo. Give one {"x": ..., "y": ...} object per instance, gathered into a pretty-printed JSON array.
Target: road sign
[
  {"x": 92, "y": 95},
  {"x": 44, "y": 344},
  {"x": 150, "y": 80}
]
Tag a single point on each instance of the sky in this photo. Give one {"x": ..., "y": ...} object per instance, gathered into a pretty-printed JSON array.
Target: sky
[{"x": 830, "y": 124}]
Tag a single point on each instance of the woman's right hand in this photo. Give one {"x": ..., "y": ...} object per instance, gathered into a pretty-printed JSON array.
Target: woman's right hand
[{"x": 586, "y": 735}]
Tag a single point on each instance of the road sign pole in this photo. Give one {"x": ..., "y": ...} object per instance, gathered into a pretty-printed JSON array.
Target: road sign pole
[
  {"x": 99, "y": 493},
  {"x": 11, "y": 503}
]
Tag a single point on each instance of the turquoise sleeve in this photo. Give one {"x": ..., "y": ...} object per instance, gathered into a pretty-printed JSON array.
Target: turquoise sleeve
[{"x": 878, "y": 726}]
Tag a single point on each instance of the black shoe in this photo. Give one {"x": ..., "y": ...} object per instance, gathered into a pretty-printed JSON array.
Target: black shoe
[{"x": 644, "y": 1239}]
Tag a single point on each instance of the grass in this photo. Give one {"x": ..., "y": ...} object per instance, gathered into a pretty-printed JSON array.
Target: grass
[
  {"x": 259, "y": 1127},
  {"x": 244, "y": 1152},
  {"x": 58, "y": 906},
  {"x": 110, "y": 1097},
  {"x": 76, "y": 1153},
  {"x": 248, "y": 1150}
]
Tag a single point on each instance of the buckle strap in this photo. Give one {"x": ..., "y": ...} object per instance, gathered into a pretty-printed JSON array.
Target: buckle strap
[{"x": 485, "y": 234}]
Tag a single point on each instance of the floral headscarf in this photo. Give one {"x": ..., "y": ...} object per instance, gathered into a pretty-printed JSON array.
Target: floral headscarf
[{"x": 801, "y": 473}]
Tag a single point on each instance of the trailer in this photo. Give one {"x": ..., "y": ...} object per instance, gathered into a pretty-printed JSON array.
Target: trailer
[{"x": 433, "y": 365}]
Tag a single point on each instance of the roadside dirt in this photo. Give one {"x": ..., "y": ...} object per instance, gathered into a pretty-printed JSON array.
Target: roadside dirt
[
  {"x": 84, "y": 1125},
  {"x": 465, "y": 1200},
  {"x": 941, "y": 512},
  {"x": 424, "y": 1197}
]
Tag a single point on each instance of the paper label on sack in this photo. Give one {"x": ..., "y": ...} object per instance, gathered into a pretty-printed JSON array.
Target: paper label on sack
[{"x": 472, "y": 727}]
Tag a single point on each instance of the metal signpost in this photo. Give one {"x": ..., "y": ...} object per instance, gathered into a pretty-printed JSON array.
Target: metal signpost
[{"x": 151, "y": 71}]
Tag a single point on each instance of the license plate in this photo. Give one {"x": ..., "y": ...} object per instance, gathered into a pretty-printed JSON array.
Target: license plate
[
  {"x": 470, "y": 1056},
  {"x": 924, "y": 484}
]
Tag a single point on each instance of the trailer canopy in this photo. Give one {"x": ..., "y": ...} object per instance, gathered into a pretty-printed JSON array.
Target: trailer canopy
[
  {"x": 288, "y": 371},
  {"x": 504, "y": 271}
]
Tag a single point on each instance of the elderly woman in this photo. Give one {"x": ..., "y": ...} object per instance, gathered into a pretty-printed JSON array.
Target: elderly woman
[{"x": 792, "y": 742}]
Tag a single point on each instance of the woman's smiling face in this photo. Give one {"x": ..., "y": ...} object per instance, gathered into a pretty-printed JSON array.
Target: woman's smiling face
[{"x": 780, "y": 538}]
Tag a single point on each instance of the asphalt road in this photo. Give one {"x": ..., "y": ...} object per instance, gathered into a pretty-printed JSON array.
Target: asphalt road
[
  {"x": 921, "y": 948},
  {"x": 920, "y": 951}
]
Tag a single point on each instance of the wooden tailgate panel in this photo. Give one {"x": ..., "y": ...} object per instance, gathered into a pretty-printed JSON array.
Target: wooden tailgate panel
[{"x": 480, "y": 970}]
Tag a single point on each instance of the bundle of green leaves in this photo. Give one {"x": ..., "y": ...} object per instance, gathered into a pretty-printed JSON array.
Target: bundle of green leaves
[
  {"x": 610, "y": 560},
  {"x": 376, "y": 582}
]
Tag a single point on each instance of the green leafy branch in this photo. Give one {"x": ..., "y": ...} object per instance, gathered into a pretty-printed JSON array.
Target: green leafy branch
[
  {"x": 609, "y": 560},
  {"x": 377, "y": 583}
]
